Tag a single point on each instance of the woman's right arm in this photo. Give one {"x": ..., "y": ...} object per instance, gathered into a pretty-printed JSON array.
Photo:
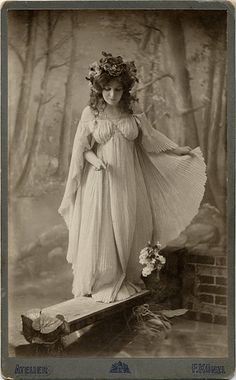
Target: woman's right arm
[
  {"x": 91, "y": 157},
  {"x": 89, "y": 154}
]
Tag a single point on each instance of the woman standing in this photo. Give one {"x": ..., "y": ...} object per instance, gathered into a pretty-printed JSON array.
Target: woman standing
[{"x": 127, "y": 184}]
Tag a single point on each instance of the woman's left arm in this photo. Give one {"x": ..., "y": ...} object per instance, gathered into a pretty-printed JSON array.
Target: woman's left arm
[
  {"x": 154, "y": 141},
  {"x": 182, "y": 151}
]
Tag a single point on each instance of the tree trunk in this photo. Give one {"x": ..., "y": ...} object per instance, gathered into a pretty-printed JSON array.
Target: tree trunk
[
  {"x": 28, "y": 173},
  {"x": 222, "y": 143},
  {"x": 155, "y": 71},
  {"x": 178, "y": 62},
  {"x": 65, "y": 136},
  {"x": 209, "y": 95},
  {"x": 22, "y": 131},
  {"x": 216, "y": 151}
]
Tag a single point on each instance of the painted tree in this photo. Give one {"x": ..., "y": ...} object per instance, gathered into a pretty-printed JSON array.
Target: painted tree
[
  {"x": 214, "y": 117},
  {"x": 34, "y": 135},
  {"x": 176, "y": 56},
  {"x": 21, "y": 139},
  {"x": 149, "y": 49},
  {"x": 148, "y": 37},
  {"x": 156, "y": 90},
  {"x": 30, "y": 170},
  {"x": 66, "y": 126}
]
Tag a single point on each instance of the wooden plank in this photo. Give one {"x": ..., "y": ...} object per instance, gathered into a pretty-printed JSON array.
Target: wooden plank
[
  {"x": 81, "y": 311},
  {"x": 78, "y": 313}
]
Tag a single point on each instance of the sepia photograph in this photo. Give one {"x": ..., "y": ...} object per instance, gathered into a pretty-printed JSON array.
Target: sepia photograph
[{"x": 118, "y": 164}]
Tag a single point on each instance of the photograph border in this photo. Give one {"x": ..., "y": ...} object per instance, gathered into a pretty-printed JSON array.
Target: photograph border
[{"x": 140, "y": 368}]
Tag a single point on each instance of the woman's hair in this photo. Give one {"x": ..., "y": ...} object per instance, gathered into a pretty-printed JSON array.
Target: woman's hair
[{"x": 108, "y": 69}]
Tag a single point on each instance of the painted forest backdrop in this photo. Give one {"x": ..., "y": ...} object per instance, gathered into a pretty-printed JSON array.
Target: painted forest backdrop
[{"x": 181, "y": 60}]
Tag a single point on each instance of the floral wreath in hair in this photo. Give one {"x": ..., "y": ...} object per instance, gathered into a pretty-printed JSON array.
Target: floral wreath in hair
[{"x": 113, "y": 66}]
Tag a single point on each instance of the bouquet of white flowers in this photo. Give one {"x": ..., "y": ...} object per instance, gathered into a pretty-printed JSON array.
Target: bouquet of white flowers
[{"x": 150, "y": 257}]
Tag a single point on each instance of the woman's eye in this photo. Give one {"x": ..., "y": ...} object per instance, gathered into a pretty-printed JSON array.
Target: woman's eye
[{"x": 116, "y": 89}]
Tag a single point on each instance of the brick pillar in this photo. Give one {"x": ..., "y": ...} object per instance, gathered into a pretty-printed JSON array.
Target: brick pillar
[{"x": 205, "y": 286}]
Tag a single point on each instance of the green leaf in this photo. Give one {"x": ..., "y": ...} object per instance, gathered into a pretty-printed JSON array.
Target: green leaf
[
  {"x": 50, "y": 327},
  {"x": 46, "y": 324}
]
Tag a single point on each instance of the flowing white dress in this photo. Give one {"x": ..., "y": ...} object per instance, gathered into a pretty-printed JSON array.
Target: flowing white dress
[{"x": 146, "y": 193}]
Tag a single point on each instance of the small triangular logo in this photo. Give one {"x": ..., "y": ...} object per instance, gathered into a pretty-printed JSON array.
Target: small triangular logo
[{"x": 120, "y": 367}]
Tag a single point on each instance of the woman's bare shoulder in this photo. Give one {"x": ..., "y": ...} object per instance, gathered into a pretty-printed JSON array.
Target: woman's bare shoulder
[{"x": 87, "y": 114}]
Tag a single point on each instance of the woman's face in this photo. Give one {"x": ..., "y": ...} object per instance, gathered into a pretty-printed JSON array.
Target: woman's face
[{"x": 112, "y": 92}]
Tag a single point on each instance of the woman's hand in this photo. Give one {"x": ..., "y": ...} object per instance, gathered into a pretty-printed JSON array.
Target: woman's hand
[
  {"x": 99, "y": 164},
  {"x": 181, "y": 151}
]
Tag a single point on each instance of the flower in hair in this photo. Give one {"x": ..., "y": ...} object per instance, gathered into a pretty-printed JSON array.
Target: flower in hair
[{"x": 113, "y": 66}]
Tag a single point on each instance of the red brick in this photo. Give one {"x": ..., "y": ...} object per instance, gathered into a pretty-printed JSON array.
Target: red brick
[
  {"x": 206, "y": 298},
  {"x": 201, "y": 259},
  {"x": 205, "y": 317},
  {"x": 221, "y": 319},
  {"x": 221, "y": 261},
  {"x": 206, "y": 279},
  {"x": 212, "y": 289},
  {"x": 221, "y": 280},
  {"x": 221, "y": 300}
]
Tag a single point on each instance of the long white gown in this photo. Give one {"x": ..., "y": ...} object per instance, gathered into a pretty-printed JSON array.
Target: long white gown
[{"x": 146, "y": 193}]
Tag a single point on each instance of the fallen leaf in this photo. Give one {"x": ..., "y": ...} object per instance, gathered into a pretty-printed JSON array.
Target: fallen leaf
[{"x": 174, "y": 313}]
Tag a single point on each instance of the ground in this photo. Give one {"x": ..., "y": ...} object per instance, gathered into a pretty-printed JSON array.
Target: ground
[{"x": 114, "y": 338}]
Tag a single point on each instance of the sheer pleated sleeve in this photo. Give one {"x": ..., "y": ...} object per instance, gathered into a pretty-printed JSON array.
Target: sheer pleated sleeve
[
  {"x": 151, "y": 139},
  {"x": 82, "y": 142},
  {"x": 175, "y": 184}
]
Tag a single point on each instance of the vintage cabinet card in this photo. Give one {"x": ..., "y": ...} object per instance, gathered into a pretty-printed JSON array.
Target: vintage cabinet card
[{"x": 118, "y": 150}]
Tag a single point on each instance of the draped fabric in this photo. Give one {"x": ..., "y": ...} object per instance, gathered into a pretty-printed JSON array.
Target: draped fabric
[
  {"x": 81, "y": 144},
  {"x": 146, "y": 193}
]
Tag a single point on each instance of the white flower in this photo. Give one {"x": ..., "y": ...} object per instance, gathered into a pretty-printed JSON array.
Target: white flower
[
  {"x": 143, "y": 260},
  {"x": 144, "y": 250},
  {"x": 162, "y": 259},
  {"x": 143, "y": 257},
  {"x": 147, "y": 270}
]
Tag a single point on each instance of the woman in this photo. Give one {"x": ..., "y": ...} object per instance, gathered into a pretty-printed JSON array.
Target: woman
[{"x": 128, "y": 184}]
